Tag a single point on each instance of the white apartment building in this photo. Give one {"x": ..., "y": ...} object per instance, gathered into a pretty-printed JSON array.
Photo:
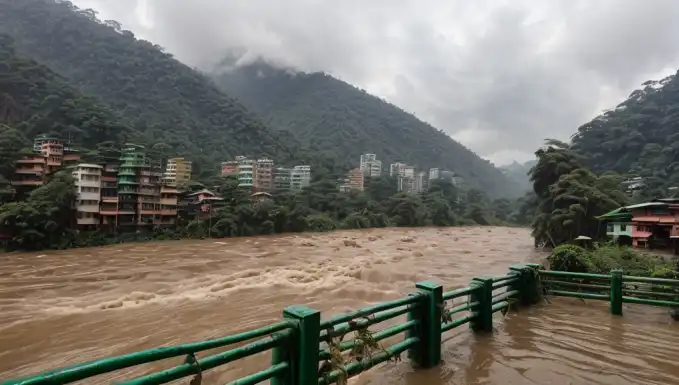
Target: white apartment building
[
  {"x": 246, "y": 169},
  {"x": 434, "y": 173},
  {"x": 370, "y": 165},
  {"x": 88, "y": 187},
  {"x": 300, "y": 177}
]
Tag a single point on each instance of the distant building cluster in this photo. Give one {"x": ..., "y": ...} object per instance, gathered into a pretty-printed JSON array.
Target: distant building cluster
[
  {"x": 408, "y": 179},
  {"x": 262, "y": 175},
  {"x": 129, "y": 191}
]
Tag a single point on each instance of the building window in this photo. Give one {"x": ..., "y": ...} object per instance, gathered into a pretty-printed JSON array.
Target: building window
[
  {"x": 609, "y": 228},
  {"x": 623, "y": 227}
]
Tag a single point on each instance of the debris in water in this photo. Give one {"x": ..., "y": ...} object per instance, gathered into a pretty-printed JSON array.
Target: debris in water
[{"x": 407, "y": 239}]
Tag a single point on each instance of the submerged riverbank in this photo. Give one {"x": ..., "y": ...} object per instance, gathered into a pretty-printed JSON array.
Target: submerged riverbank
[{"x": 62, "y": 307}]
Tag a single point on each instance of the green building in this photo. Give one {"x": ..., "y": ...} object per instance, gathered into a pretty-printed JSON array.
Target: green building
[{"x": 618, "y": 224}]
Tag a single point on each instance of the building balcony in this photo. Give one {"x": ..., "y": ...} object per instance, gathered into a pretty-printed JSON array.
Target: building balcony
[
  {"x": 150, "y": 212},
  {"x": 32, "y": 160},
  {"x": 88, "y": 183},
  {"x": 87, "y": 208},
  {"x": 168, "y": 189},
  {"x": 109, "y": 179},
  {"x": 89, "y": 196},
  {"x": 88, "y": 221},
  {"x": 54, "y": 163},
  {"x": 146, "y": 191},
  {"x": 108, "y": 212},
  {"x": 168, "y": 212},
  {"x": 127, "y": 182},
  {"x": 31, "y": 171},
  {"x": 127, "y": 173},
  {"x": 168, "y": 201}
]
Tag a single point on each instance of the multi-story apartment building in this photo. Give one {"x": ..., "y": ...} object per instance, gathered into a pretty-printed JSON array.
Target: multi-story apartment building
[
  {"x": 246, "y": 172},
  {"x": 421, "y": 182},
  {"x": 353, "y": 181},
  {"x": 108, "y": 208},
  {"x": 397, "y": 169},
  {"x": 300, "y": 177},
  {"x": 177, "y": 172},
  {"x": 87, "y": 179},
  {"x": 138, "y": 188},
  {"x": 282, "y": 178},
  {"x": 263, "y": 175},
  {"x": 53, "y": 151},
  {"x": 370, "y": 165},
  {"x": 229, "y": 168},
  {"x": 30, "y": 170},
  {"x": 168, "y": 205}
]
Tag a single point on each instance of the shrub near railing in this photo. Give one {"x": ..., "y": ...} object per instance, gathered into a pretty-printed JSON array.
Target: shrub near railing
[{"x": 306, "y": 350}]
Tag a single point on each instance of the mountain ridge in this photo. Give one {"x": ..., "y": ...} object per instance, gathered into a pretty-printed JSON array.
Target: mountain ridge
[{"x": 332, "y": 116}]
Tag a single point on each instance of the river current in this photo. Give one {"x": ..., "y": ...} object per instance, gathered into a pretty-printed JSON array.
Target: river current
[{"x": 65, "y": 307}]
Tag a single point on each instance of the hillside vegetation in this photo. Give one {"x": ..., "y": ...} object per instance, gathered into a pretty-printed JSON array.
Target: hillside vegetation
[
  {"x": 343, "y": 122},
  {"x": 165, "y": 100},
  {"x": 640, "y": 137},
  {"x": 34, "y": 100}
]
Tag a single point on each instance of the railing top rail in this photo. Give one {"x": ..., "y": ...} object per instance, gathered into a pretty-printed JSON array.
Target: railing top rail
[
  {"x": 366, "y": 311},
  {"x": 572, "y": 274},
  {"x": 661, "y": 281},
  {"x": 510, "y": 275},
  {"x": 106, "y": 365},
  {"x": 458, "y": 292}
]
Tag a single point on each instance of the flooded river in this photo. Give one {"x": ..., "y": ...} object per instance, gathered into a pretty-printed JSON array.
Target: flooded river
[{"x": 61, "y": 308}]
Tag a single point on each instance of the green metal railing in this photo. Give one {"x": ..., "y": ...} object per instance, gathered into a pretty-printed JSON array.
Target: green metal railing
[
  {"x": 305, "y": 350},
  {"x": 614, "y": 287}
]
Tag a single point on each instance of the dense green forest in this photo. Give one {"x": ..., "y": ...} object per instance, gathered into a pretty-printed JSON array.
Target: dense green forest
[
  {"x": 335, "y": 118},
  {"x": 35, "y": 100},
  {"x": 567, "y": 197},
  {"x": 164, "y": 100},
  {"x": 640, "y": 137}
]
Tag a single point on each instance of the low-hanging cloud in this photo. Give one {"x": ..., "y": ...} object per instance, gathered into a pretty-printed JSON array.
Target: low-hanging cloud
[{"x": 498, "y": 75}]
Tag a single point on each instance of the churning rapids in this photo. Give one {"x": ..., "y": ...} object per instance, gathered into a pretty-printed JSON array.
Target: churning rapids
[{"x": 66, "y": 307}]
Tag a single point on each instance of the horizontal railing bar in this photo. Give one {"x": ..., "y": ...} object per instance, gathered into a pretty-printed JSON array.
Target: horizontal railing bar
[
  {"x": 558, "y": 273},
  {"x": 357, "y": 367},
  {"x": 209, "y": 362},
  {"x": 660, "y": 281},
  {"x": 650, "y": 293},
  {"x": 654, "y": 302},
  {"x": 263, "y": 375},
  {"x": 504, "y": 296},
  {"x": 505, "y": 277},
  {"x": 457, "y": 322},
  {"x": 461, "y": 308},
  {"x": 94, "y": 368},
  {"x": 575, "y": 294},
  {"x": 458, "y": 292},
  {"x": 362, "y": 322},
  {"x": 577, "y": 284},
  {"x": 410, "y": 299},
  {"x": 501, "y": 284},
  {"x": 324, "y": 354},
  {"x": 499, "y": 306}
]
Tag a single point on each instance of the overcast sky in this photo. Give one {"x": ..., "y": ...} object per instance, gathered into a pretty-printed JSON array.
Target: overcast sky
[{"x": 497, "y": 75}]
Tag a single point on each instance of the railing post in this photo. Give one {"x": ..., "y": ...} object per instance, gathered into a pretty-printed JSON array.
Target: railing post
[
  {"x": 483, "y": 294},
  {"x": 302, "y": 350},
  {"x": 427, "y": 353},
  {"x": 616, "y": 292},
  {"x": 529, "y": 292}
]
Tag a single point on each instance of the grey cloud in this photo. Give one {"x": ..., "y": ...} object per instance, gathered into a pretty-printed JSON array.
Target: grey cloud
[{"x": 508, "y": 72}]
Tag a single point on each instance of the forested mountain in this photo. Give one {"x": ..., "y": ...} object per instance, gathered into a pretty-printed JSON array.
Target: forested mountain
[
  {"x": 34, "y": 100},
  {"x": 342, "y": 121},
  {"x": 165, "y": 100},
  {"x": 518, "y": 172},
  {"x": 640, "y": 137}
]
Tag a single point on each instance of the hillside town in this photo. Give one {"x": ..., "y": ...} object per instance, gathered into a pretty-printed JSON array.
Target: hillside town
[{"x": 140, "y": 189}]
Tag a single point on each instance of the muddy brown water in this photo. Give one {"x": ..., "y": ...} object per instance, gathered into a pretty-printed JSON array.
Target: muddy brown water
[{"x": 66, "y": 307}]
